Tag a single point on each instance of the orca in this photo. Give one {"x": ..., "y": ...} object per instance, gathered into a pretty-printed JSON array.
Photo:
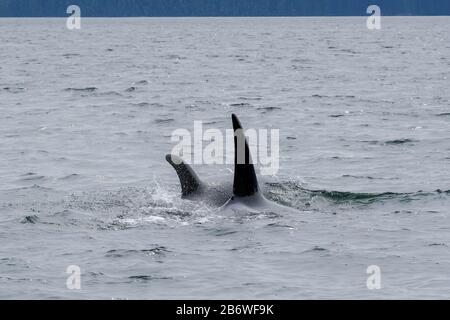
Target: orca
[
  {"x": 213, "y": 193},
  {"x": 244, "y": 191}
]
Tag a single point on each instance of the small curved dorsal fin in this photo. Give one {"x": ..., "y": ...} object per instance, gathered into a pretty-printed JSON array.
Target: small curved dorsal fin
[
  {"x": 189, "y": 180},
  {"x": 245, "y": 181}
]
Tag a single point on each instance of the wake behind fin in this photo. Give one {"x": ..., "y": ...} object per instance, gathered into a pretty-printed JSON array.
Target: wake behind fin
[
  {"x": 245, "y": 181},
  {"x": 189, "y": 180}
]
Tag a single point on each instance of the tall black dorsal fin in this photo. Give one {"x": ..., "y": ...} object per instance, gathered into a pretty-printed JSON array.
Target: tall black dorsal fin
[
  {"x": 245, "y": 181},
  {"x": 189, "y": 180}
]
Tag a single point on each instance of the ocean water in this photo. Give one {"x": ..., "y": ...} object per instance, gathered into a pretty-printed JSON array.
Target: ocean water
[{"x": 86, "y": 118}]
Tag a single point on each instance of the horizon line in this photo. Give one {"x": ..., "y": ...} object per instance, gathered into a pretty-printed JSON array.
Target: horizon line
[{"x": 234, "y": 16}]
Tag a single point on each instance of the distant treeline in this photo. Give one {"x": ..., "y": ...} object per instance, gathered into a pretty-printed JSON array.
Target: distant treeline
[{"x": 158, "y": 8}]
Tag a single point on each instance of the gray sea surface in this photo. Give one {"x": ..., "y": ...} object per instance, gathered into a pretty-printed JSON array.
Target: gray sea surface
[{"x": 86, "y": 118}]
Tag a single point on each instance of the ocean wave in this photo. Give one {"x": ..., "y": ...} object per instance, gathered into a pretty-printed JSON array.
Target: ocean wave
[
  {"x": 86, "y": 89},
  {"x": 290, "y": 192}
]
